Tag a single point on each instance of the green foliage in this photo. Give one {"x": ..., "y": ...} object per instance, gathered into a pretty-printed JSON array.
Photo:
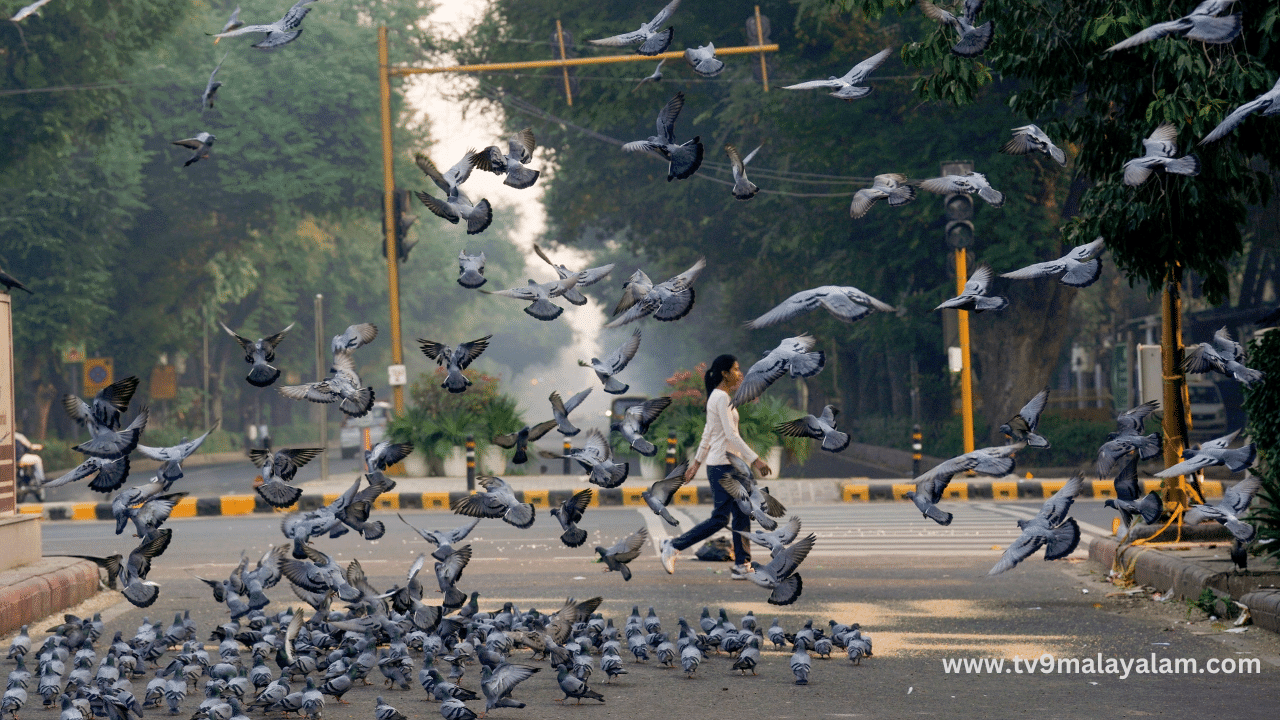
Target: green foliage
[
  {"x": 439, "y": 420},
  {"x": 1262, "y": 403},
  {"x": 756, "y": 423}
]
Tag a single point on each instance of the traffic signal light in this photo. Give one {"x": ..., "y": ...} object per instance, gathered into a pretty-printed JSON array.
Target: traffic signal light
[
  {"x": 403, "y": 221},
  {"x": 959, "y": 229}
]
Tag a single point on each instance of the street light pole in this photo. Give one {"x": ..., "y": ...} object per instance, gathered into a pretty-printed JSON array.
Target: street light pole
[
  {"x": 388, "y": 207},
  {"x": 320, "y": 372},
  {"x": 959, "y": 235}
]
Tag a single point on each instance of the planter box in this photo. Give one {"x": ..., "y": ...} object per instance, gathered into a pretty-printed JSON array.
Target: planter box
[
  {"x": 653, "y": 468},
  {"x": 415, "y": 466},
  {"x": 456, "y": 464},
  {"x": 493, "y": 461}
]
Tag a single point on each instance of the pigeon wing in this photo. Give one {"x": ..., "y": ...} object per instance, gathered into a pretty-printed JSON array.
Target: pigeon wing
[
  {"x": 618, "y": 359},
  {"x": 469, "y": 351},
  {"x": 667, "y": 118},
  {"x": 537, "y": 431}
]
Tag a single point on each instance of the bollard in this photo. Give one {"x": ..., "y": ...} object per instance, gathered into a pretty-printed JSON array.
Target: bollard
[
  {"x": 471, "y": 463},
  {"x": 916, "y": 447},
  {"x": 568, "y": 469},
  {"x": 671, "y": 451}
]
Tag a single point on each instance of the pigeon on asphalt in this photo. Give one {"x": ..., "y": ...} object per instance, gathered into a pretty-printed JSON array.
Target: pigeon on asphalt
[
  {"x": 260, "y": 354},
  {"x": 498, "y": 682},
  {"x": 539, "y": 296},
  {"x": 232, "y": 23},
  {"x": 743, "y": 189},
  {"x": 278, "y": 468},
  {"x": 453, "y": 709},
  {"x": 211, "y": 88},
  {"x": 652, "y": 40},
  {"x": 1050, "y": 528},
  {"x": 279, "y": 33},
  {"x": 569, "y": 514},
  {"x": 615, "y": 363},
  {"x": 993, "y": 461},
  {"x": 617, "y": 556},
  {"x": 1031, "y": 139},
  {"x": 655, "y": 76},
  {"x": 1128, "y": 438},
  {"x": 1213, "y": 452},
  {"x": 845, "y": 303},
  {"x": 968, "y": 184},
  {"x": 821, "y": 428},
  {"x": 752, "y": 499},
  {"x": 133, "y": 572},
  {"x": 586, "y": 278},
  {"x": 1268, "y": 103},
  {"x": 354, "y": 337},
  {"x": 1159, "y": 151},
  {"x": 1224, "y": 355},
  {"x": 636, "y": 421},
  {"x": 1235, "y": 500},
  {"x": 342, "y": 386},
  {"x": 684, "y": 159},
  {"x": 171, "y": 458},
  {"x": 661, "y": 492},
  {"x": 471, "y": 270},
  {"x": 560, "y": 410},
  {"x": 1079, "y": 268},
  {"x": 519, "y": 152},
  {"x": 521, "y": 438},
  {"x": 106, "y": 407},
  {"x": 572, "y": 686},
  {"x": 667, "y": 301},
  {"x": 846, "y": 87},
  {"x": 703, "y": 60},
  {"x": 780, "y": 576},
  {"x": 110, "y": 474},
  {"x": 776, "y": 540},
  {"x": 497, "y": 500},
  {"x": 800, "y": 665},
  {"x": 202, "y": 143},
  {"x": 974, "y": 39},
  {"x": 443, "y": 539},
  {"x": 596, "y": 457},
  {"x": 454, "y": 360},
  {"x": 1022, "y": 427},
  {"x": 890, "y": 186},
  {"x": 794, "y": 356},
  {"x": 974, "y": 298},
  {"x": 1202, "y": 24},
  {"x": 10, "y": 282}
]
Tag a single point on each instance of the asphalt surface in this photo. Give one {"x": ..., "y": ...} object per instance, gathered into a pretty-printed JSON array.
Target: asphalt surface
[{"x": 924, "y": 596}]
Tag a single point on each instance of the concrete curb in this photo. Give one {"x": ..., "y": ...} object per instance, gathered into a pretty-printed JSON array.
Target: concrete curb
[
  {"x": 1003, "y": 489},
  {"x": 31, "y": 592}
]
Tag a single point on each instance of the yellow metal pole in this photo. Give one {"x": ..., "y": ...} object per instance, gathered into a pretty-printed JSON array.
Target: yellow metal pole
[
  {"x": 764, "y": 70},
  {"x": 1177, "y": 418},
  {"x": 575, "y": 62},
  {"x": 388, "y": 208},
  {"x": 568, "y": 94},
  {"x": 966, "y": 372}
]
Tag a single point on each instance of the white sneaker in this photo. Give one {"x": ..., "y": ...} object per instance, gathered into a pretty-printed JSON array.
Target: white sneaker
[
  {"x": 669, "y": 553},
  {"x": 739, "y": 572}
]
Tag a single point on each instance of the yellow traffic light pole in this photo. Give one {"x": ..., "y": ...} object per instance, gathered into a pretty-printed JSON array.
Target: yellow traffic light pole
[{"x": 966, "y": 373}]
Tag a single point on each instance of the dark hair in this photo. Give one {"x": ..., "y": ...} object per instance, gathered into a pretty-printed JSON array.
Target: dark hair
[{"x": 715, "y": 373}]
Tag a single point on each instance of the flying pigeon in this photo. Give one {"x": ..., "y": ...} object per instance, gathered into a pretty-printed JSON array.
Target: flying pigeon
[
  {"x": 443, "y": 539},
  {"x": 968, "y": 184},
  {"x": 846, "y": 87},
  {"x": 106, "y": 443},
  {"x": 520, "y": 439},
  {"x": 232, "y": 23},
  {"x": 887, "y": 186},
  {"x": 777, "y": 540},
  {"x": 1224, "y": 355},
  {"x": 752, "y": 499},
  {"x": 639, "y": 285},
  {"x": 133, "y": 572},
  {"x": 975, "y": 298},
  {"x": 34, "y": 8},
  {"x": 341, "y": 386},
  {"x": 1158, "y": 154},
  {"x": 385, "y": 453},
  {"x": 661, "y": 492},
  {"x": 448, "y": 572},
  {"x": 821, "y": 428},
  {"x": 206, "y": 98},
  {"x": 596, "y": 457},
  {"x": 497, "y": 500},
  {"x": 539, "y": 296},
  {"x": 615, "y": 363},
  {"x": 973, "y": 39},
  {"x": 519, "y": 152},
  {"x": 703, "y": 60},
  {"x": 684, "y": 159},
  {"x": 107, "y": 405},
  {"x": 171, "y": 457},
  {"x": 449, "y": 180},
  {"x": 1050, "y": 528},
  {"x": 457, "y": 206},
  {"x": 780, "y": 576},
  {"x": 846, "y": 303},
  {"x": 279, "y": 33},
  {"x": 1022, "y": 427},
  {"x": 636, "y": 421},
  {"x": 617, "y": 556},
  {"x": 202, "y": 143},
  {"x": 569, "y": 514},
  {"x": 1200, "y": 25},
  {"x": 1213, "y": 452},
  {"x": 993, "y": 461},
  {"x": 278, "y": 468},
  {"x": 1029, "y": 139},
  {"x": 794, "y": 356},
  {"x": 109, "y": 474},
  {"x": 260, "y": 354},
  {"x": 667, "y": 301},
  {"x": 354, "y": 337},
  {"x": 455, "y": 360},
  {"x": 10, "y": 282},
  {"x": 1128, "y": 438},
  {"x": 560, "y": 410},
  {"x": 655, "y": 76},
  {"x": 586, "y": 278},
  {"x": 471, "y": 270},
  {"x": 1235, "y": 500},
  {"x": 743, "y": 189},
  {"x": 1268, "y": 103},
  {"x": 1148, "y": 508},
  {"x": 1079, "y": 268},
  {"x": 652, "y": 40}
]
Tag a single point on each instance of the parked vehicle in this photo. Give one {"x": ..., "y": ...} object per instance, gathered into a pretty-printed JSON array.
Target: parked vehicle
[
  {"x": 1208, "y": 412},
  {"x": 351, "y": 437}
]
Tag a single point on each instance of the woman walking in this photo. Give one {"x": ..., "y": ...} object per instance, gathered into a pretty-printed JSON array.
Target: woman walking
[{"x": 719, "y": 436}]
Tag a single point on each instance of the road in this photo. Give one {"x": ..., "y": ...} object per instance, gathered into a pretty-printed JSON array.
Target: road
[{"x": 918, "y": 589}]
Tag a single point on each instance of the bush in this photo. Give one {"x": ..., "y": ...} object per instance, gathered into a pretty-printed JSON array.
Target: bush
[
  {"x": 1262, "y": 403},
  {"x": 438, "y": 420}
]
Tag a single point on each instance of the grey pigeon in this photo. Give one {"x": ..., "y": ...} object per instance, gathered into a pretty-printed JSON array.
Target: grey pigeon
[
  {"x": 703, "y": 60},
  {"x": 1129, "y": 438},
  {"x": 10, "y": 282},
  {"x": 1268, "y": 103},
  {"x": 232, "y": 23},
  {"x": 108, "y": 474},
  {"x": 279, "y": 33},
  {"x": 617, "y": 556},
  {"x": 497, "y": 500},
  {"x": 845, "y": 303},
  {"x": 683, "y": 159},
  {"x": 994, "y": 461},
  {"x": 1224, "y": 355},
  {"x": 615, "y": 363},
  {"x": 779, "y": 574},
  {"x": 106, "y": 407},
  {"x": 471, "y": 270},
  {"x": 974, "y": 298},
  {"x": 888, "y": 186},
  {"x": 453, "y": 709},
  {"x": 634, "y": 290},
  {"x": 794, "y": 356},
  {"x": 560, "y": 410},
  {"x": 354, "y": 337},
  {"x": 33, "y": 9},
  {"x": 743, "y": 189},
  {"x": 655, "y": 76},
  {"x": 1202, "y": 24},
  {"x": 148, "y": 516},
  {"x": 520, "y": 149},
  {"x": 569, "y": 514},
  {"x": 202, "y": 143},
  {"x": 1213, "y": 452},
  {"x": 449, "y": 180},
  {"x": 521, "y": 438},
  {"x": 636, "y": 421},
  {"x": 596, "y": 457},
  {"x": 1022, "y": 427},
  {"x": 586, "y": 278},
  {"x": 133, "y": 572},
  {"x": 454, "y": 360},
  {"x": 278, "y": 468},
  {"x": 106, "y": 443},
  {"x": 539, "y": 296},
  {"x": 775, "y": 540},
  {"x": 652, "y": 40},
  {"x": 969, "y": 184},
  {"x": 1029, "y": 139},
  {"x": 846, "y": 86},
  {"x": 667, "y": 301},
  {"x": 319, "y": 574},
  {"x": 1126, "y": 482},
  {"x": 1079, "y": 268},
  {"x": 752, "y": 499},
  {"x": 443, "y": 539},
  {"x": 572, "y": 686},
  {"x": 1148, "y": 508},
  {"x": 342, "y": 386},
  {"x": 211, "y": 88},
  {"x": 974, "y": 39},
  {"x": 801, "y": 664},
  {"x": 448, "y": 572},
  {"x": 497, "y": 684},
  {"x": 457, "y": 206},
  {"x": 1159, "y": 151},
  {"x": 385, "y": 453},
  {"x": 1235, "y": 500},
  {"x": 822, "y": 427},
  {"x": 260, "y": 354},
  {"x": 661, "y": 492},
  {"x": 1050, "y": 529}
]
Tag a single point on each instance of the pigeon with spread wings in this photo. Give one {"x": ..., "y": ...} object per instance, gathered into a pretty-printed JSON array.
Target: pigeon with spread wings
[
  {"x": 1202, "y": 24},
  {"x": 615, "y": 363},
  {"x": 596, "y": 457},
  {"x": 539, "y": 296},
  {"x": 1079, "y": 268},
  {"x": 497, "y": 500},
  {"x": 471, "y": 270},
  {"x": 1022, "y": 427},
  {"x": 888, "y": 186},
  {"x": 652, "y": 40},
  {"x": 974, "y": 297},
  {"x": 1128, "y": 438},
  {"x": 278, "y": 468},
  {"x": 1235, "y": 500},
  {"x": 354, "y": 337},
  {"x": 846, "y": 86},
  {"x": 520, "y": 149},
  {"x": 279, "y": 33},
  {"x": 454, "y": 360},
  {"x": 845, "y": 303},
  {"x": 969, "y": 184},
  {"x": 636, "y": 421},
  {"x": 1031, "y": 139},
  {"x": 752, "y": 499},
  {"x": 1223, "y": 355},
  {"x": 703, "y": 60},
  {"x": 201, "y": 144},
  {"x": 521, "y": 438},
  {"x": 779, "y": 574},
  {"x": 993, "y": 461},
  {"x": 211, "y": 87},
  {"x": 1268, "y": 103},
  {"x": 1159, "y": 152},
  {"x": 260, "y": 354},
  {"x": 794, "y": 356},
  {"x": 1050, "y": 529},
  {"x": 661, "y": 492},
  {"x": 743, "y": 189},
  {"x": 667, "y": 301},
  {"x": 342, "y": 386},
  {"x": 821, "y": 427},
  {"x": 586, "y": 278},
  {"x": 560, "y": 410},
  {"x": 683, "y": 159},
  {"x": 569, "y": 514},
  {"x": 1213, "y": 452},
  {"x": 617, "y": 556},
  {"x": 974, "y": 39}
]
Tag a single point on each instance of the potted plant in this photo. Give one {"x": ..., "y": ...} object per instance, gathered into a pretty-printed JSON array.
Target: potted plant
[{"x": 439, "y": 422}]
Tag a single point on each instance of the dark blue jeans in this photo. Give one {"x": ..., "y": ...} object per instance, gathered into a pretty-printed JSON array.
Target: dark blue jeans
[{"x": 725, "y": 508}]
